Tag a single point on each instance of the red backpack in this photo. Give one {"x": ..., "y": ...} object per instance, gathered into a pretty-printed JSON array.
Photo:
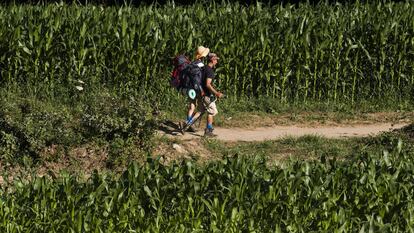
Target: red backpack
[{"x": 180, "y": 62}]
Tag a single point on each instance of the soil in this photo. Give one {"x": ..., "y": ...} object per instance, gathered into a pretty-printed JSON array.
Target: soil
[
  {"x": 312, "y": 119},
  {"x": 178, "y": 146},
  {"x": 280, "y": 131}
]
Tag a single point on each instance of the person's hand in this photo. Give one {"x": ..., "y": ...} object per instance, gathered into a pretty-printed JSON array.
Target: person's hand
[{"x": 220, "y": 95}]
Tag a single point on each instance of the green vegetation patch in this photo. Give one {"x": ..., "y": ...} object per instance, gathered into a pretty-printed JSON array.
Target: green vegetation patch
[
  {"x": 29, "y": 127},
  {"x": 370, "y": 192},
  {"x": 312, "y": 147}
]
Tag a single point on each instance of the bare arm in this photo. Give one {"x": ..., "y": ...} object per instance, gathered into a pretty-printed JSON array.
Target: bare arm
[{"x": 212, "y": 89}]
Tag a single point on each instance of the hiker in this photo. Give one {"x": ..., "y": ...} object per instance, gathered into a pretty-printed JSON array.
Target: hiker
[
  {"x": 201, "y": 53},
  {"x": 210, "y": 93}
]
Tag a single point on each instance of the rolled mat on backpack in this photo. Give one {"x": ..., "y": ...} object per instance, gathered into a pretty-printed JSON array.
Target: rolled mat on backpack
[{"x": 191, "y": 94}]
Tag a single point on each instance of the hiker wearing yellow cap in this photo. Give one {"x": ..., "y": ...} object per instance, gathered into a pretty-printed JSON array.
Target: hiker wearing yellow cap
[{"x": 199, "y": 55}]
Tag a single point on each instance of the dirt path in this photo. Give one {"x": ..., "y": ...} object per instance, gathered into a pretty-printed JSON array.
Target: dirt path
[{"x": 276, "y": 132}]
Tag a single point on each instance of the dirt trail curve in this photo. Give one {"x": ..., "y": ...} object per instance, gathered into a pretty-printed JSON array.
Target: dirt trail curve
[{"x": 277, "y": 132}]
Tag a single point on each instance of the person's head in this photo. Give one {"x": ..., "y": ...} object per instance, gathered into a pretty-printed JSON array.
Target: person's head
[
  {"x": 212, "y": 58},
  {"x": 201, "y": 52}
]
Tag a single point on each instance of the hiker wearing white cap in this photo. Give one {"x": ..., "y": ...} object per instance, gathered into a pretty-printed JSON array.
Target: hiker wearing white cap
[
  {"x": 199, "y": 55},
  {"x": 210, "y": 93}
]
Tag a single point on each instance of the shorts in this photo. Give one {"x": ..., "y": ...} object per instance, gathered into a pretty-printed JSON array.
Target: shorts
[
  {"x": 198, "y": 102},
  {"x": 209, "y": 106}
]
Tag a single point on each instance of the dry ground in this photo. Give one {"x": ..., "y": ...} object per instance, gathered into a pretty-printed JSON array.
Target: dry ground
[{"x": 246, "y": 128}]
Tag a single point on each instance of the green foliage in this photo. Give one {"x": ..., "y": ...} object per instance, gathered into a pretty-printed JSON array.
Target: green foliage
[
  {"x": 31, "y": 129},
  {"x": 123, "y": 123},
  {"x": 372, "y": 192},
  {"x": 29, "y": 126},
  {"x": 341, "y": 53},
  {"x": 8, "y": 146},
  {"x": 110, "y": 117}
]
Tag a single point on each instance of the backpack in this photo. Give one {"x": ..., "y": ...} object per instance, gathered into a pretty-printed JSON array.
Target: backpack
[
  {"x": 191, "y": 77},
  {"x": 180, "y": 62}
]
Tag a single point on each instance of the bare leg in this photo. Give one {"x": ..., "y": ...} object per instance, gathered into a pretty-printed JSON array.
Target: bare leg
[
  {"x": 208, "y": 131},
  {"x": 194, "y": 115},
  {"x": 191, "y": 109},
  {"x": 210, "y": 119}
]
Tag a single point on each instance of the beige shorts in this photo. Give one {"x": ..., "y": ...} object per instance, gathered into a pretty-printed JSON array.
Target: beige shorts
[{"x": 209, "y": 106}]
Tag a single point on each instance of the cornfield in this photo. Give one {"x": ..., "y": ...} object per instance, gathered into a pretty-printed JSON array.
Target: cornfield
[
  {"x": 327, "y": 52},
  {"x": 370, "y": 193},
  {"x": 339, "y": 53}
]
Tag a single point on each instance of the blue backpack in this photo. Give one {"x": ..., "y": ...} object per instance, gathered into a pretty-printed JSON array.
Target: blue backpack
[{"x": 192, "y": 77}]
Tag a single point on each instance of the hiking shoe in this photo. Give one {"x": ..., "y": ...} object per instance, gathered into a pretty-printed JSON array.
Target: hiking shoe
[{"x": 209, "y": 133}]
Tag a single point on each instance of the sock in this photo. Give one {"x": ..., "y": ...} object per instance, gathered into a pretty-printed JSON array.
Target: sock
[
  {"x": 209, "y": 126},
  {"x": 189, "y": 119}
]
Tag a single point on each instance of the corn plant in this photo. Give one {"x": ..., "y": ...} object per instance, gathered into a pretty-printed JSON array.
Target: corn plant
[
  {"x": 370, "y": 192},
  {"x": 301, "y": 53}
]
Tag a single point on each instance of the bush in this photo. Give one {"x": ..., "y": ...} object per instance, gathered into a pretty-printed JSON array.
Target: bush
[
  {"x": 27, "y": 127},
  {"x": 109, "y": 118}
]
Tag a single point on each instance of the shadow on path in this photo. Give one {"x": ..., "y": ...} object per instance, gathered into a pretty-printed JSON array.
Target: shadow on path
[{"x": 171, "y": 128}]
